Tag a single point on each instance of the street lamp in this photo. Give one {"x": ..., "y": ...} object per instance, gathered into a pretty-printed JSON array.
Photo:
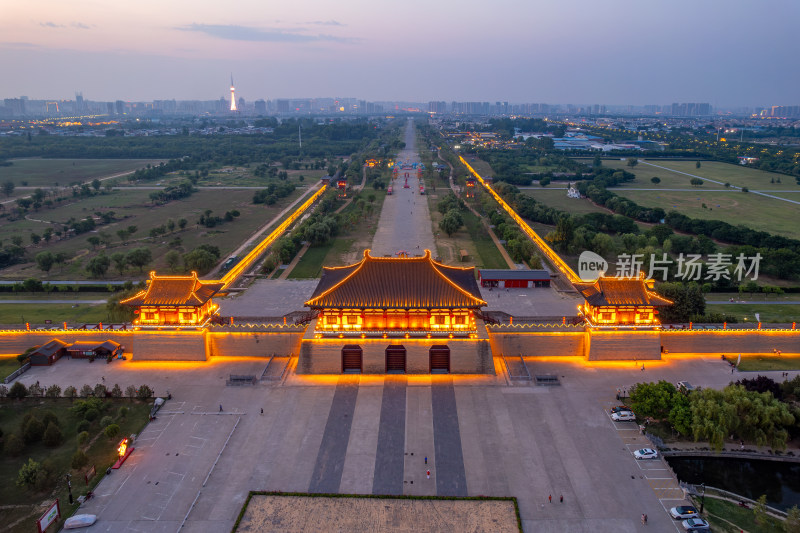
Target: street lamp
[{"x": 703, "y": 498}]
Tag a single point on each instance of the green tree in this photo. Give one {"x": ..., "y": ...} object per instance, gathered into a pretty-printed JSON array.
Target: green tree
[
  {"x": 83, "y": 436},
  {"x": 123, "y": 235},
  {"x": 182, "y": 223},
  {"x": 33, "y": 431},
  {"x": 96, "y": 184},
  {"x": 655, "y": 180},
  {"x": 174, "y": 260},
  {"x": 760, "y": 510},
  {"x": 26, "y": 477},
  {"x": 653, "y": 400},
  {"x": 139, "y": 257},
  {"x": 8, "y": 187},
  {"x": 14, "y": 445},
  {"x": 697, "y": 164},
  {"x": 79, "y": 459},
  {"x": 98, "y": 265},
  {"x": 52, "y": 435},
  {"x": 792, "y": 522},
  {"x": 45, "y": 261},
  {"x": 696, "y": 182},
  {"x": 111, "y": 431},
  {"x": 53, "y": 391},
  {"x": 632, "y": 162},
  {"x": 120, "y": 262},
  {"x": 451, "y": 222},
  {"x": 199, "y": 260},
  {"x": 17, "y": 391}
]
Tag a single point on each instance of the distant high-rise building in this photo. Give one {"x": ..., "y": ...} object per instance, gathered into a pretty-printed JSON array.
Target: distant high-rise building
[
  {"x": 260, "y": 107},
  {"x": 437, "y": 107},
  {"x": 80, "y": 105},
  {"x": 120, "y": 107},
  {"x": 785, "y": 111},
  {"x": 283, "y": 106},
  {"x": 233, "y": 96},
  {"x": 691, "y": 109}
]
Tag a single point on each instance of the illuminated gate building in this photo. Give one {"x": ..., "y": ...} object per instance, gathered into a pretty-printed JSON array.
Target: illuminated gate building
[
  {"x": 612, "y": 301},
  {"x": 174, "y": 301},
  {"x": 386, "y": 306}
]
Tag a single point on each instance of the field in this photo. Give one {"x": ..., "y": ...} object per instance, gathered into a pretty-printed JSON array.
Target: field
[
  {"x": 775, "y": 313},
  {"x": 21, "y": 507},
  {"x": 244, "y": 177},
  {"x": 8, "y": 364},
  {"x": 557, "y": 198},
  {"x": 132, "y": 207},
  {"x": 62, "y": 172},
  {"x": 735, "y": 207},
  {"x": 766, "y": 362},
  {"x": 736, "y": 175},
  {"x": 19, "y": 314}
]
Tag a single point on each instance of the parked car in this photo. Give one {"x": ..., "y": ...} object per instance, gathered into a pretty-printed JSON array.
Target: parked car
[
  {"x": 646, "y": 453},
  {"x": 619, "y": 408},
  {"x": 684, "y": 387},
  {"x": 623, "y": 416},
  {"x": 695, "y": 524},
  {"x": 683, "y": 512}
]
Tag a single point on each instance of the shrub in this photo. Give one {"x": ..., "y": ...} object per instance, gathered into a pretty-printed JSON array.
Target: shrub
[
  {"x": 83, "y": 437},
  {"x": 144, "y": 392},
  {"x": 18, "y": 391},
  {"x": 14, "y": 445},
  {"x": 48, "y": 417},
  {"x": 53, "y": 391},
  {"x": 91, "y": 415},
  {"x": 106, "y": 420},
  {"x": 70, "y": 392},
  {"x": 45, "y": 476},
  {"x": 86, "y": 391},
  {"x": 34, "y": 430},
  {"x": 26, "y": 476},
  {"x": 25, "y": 356},
  {"x": 3, "y": 391},
  {"x": 79, "y": 460},
  {"x": 80, "y": 407},
  {"x": 83, "y": 425},
  {"x": 34, "y": 391},
  {"x": 111, "y": 431},
  {"x": 116, "y": 392},
  {"x": 130, "y": 392},
  {"x": 123, "y": 412},
  {"x": 52, "y": 435},
  {"x": 100, "y": 390}
]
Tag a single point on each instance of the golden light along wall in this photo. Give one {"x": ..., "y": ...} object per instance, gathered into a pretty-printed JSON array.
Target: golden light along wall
[
  {"x": 240, "y": 267},
  {"x": 543, "y": 246}
]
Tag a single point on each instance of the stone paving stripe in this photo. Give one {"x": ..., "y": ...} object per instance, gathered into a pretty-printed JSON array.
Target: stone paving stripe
[
  {"x": 330, "y": 460},
  {"x": 451, "y": 479},
  {"x": 389, "y": 458}
]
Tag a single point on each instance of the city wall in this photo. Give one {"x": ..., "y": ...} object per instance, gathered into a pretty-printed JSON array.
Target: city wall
[{"x": 731, "y": 341}]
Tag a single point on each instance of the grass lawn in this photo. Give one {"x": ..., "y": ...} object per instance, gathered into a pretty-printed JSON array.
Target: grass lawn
[
  {"x": 8, "y": 364},
  {"x": 488, "y": 254},
  {"x": 764, "y": 362},
  {"x": 721, "y": 513},
  {"x": 736, "y": 175},
  {"x": 310, "y": 265},
  {"x": 19, "y": 314},
  {"x": 49, "y": 172},
  {"x": 133, "y": 207},
  {"x": 27, "y": 503},
  {"x": 754, "y": 298},
  {"x": 54, "y": 295},
  {"x": 735, "y": 207},
  {"x": 766, "y": 312},
  {"x": 557, "y": 199}
]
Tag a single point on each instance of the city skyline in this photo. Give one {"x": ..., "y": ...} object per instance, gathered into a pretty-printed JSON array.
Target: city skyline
[{"x": 616, "y": 53}]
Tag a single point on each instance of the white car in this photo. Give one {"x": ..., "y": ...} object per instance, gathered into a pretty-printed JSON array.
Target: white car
[
  {"x": 623, "y": 416},
  {"x": 695, "y": 524},
  {"x": 646, "y": 453},
  {"x": 683, "y": 512}
]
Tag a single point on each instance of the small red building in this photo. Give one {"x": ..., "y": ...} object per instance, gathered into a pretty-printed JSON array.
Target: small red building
[
  {"x": 621, "y": 301},
  {"x": 513, "y": 279}
]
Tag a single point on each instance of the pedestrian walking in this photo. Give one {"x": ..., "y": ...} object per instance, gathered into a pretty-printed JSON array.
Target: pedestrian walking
[
  {"x": 220, "y": 408},
  {"x": 104, "y": 378},
  {"x": 732, "y": 369},
  {"x": 561, "y": 498},
  {"x": 644, "y": 520},
  {"x": 428, "y": 474},
  {"x": 262, "y": 410},
  {"x": 550, "y": 498},
  {"x": 642, "y": 368}
]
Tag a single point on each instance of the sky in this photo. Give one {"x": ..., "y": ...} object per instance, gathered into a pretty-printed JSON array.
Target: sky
[{"x": 613, "y": 52}]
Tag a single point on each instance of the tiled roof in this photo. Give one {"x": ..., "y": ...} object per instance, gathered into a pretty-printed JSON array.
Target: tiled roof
[
  {"x": 175, "y": 290},
  {"x": 50, "y": 348},
  {"x": 397, "y": 283},
  {"x": 620, "y": 291}
]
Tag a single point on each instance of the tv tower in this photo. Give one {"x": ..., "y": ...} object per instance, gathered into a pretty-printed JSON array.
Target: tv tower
[{"x": 233, "y": 96}]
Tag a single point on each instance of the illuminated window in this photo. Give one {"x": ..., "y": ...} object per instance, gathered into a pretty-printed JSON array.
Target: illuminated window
[
  {"x": 352, "y": 320},
  {"x": 460, "y": 320},
  {"x": 186, "y": 316},
  {"x": 149, "y": 316},
  {"x": 438, "y": 319},
  {"x": 331, "y": 320}
]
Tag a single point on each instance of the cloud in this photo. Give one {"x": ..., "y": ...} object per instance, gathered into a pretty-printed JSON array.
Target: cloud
[
  {"x": 326, "y": 23},
  {"x": 270, "y": 35},
  {"x": 49, "y": 24},
  {"x": 79, "y": 25}
]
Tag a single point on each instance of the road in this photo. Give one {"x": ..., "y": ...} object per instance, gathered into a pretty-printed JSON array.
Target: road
[{"x": 405, "y": 223}]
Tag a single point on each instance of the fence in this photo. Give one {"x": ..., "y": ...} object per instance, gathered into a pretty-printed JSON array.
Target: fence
[{"x": 17, "y": 373}]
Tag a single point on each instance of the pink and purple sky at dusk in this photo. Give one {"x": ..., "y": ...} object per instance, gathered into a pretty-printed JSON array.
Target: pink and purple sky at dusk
[{"x": 727, "y": 52}]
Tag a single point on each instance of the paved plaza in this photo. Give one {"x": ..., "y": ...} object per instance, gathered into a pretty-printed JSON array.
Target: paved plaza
[
  {"x": 371, "y": 435},
  {"x": 269, "y": 298}
]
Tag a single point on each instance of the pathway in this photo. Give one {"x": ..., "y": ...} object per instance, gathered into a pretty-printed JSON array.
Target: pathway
[{"x": 405, "y": 224}]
